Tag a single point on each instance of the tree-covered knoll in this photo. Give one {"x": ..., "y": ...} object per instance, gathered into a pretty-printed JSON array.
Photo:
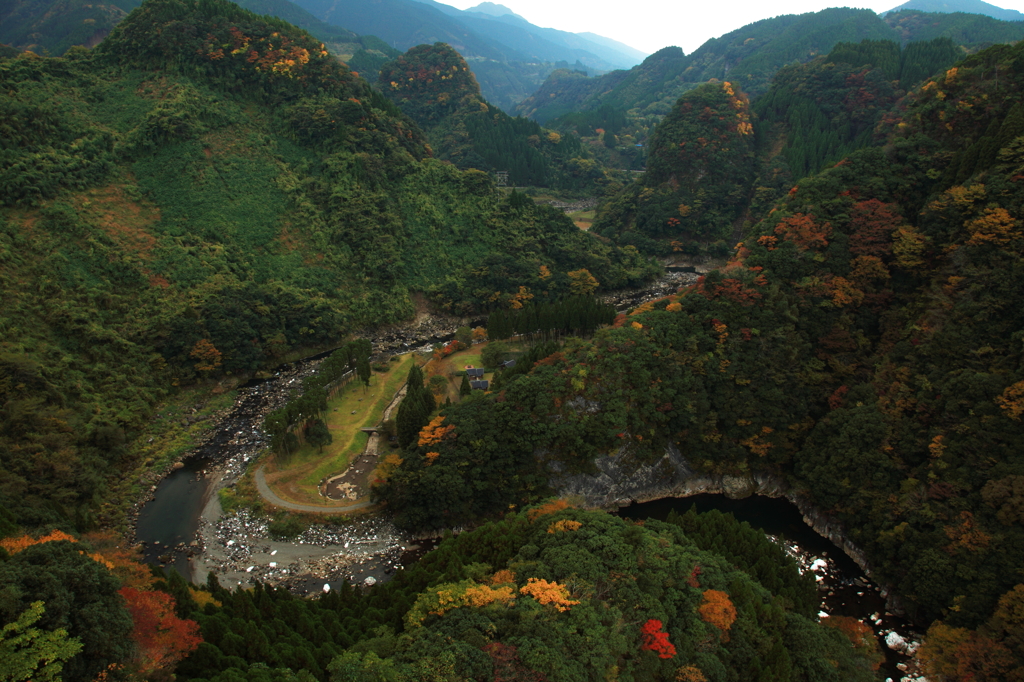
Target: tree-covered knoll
[
  {"x": 205, "y": 192},
  {"x": 52, "y": 27},
  {"x": 548, "y": 593},
  {"x": 697, "y": 192},
  {"x": 864, "y": 341},
  {"x": 434, "y": 86},
  {"x": 700, "y": 167}
]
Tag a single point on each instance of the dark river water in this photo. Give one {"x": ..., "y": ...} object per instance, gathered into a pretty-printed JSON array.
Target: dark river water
[{"x": 172, "y": 516}]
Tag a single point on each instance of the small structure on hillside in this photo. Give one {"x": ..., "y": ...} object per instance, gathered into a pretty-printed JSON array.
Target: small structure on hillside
[
  {"x": 480, "y": 385},
  {"x": 475, "y": 372}
]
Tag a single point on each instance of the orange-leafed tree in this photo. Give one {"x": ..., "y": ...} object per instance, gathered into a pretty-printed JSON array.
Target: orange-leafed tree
[
  {"x": 690, "y": 673},
  {"x": 549, "y": 507},
  {"x": 15, "y": 545},
  {"x": 548, "y": 593},
  {"x": 860, "y": 635},
  {"x": 162, "y": 638},
  {"x": 125, "y": 563},
  {"x": 963, "y": 655},
  {"x": 802, "y": 230},
  {"x": 206, "y": 355},
  {"x": 995, "y": 226},
  {"x": 718, "y": 610},
  {"x": 1012, "y": 400},
  {"x": 435, "y": 431},
  {"x": 872, "y": 224}
]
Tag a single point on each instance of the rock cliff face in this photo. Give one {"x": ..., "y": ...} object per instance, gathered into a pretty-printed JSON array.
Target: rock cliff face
[{"x": 619, "y": 483}]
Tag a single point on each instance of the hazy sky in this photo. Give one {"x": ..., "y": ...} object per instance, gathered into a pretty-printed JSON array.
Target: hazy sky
[{"x": 650, "y": 25}]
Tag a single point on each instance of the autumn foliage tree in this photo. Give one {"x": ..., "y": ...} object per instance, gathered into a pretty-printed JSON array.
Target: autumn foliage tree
[
  {"x": 162, "y": 638},
  {"x": 652, "y": 638},
  {"x": 718, "y": 610},
  {"x": 206, "y": 355}
]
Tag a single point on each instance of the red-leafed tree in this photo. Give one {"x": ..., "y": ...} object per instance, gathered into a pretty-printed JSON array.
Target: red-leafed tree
[
  {"x": 508, "y": 667},
  {"x": 163, "y": 639},
  {"x": 653, "y": 638},
  {"x": 872, "y": 224},
  {"x": 803, "y": 231}
]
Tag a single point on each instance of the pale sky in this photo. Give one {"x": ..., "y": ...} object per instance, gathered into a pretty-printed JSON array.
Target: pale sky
[{"x": 650, "y": 25}]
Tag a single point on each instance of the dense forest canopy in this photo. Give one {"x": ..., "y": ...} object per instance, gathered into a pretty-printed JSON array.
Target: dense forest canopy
[
  {"x": 702, "y": 183},
  {"x": 210, "y": 190}
]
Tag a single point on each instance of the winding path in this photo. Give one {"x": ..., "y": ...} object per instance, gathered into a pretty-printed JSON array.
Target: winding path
[{"x": 271, "y": 497}]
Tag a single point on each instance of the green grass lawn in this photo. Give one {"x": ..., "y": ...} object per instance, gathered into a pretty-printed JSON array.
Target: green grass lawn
[{"x": 368, "y": 405}]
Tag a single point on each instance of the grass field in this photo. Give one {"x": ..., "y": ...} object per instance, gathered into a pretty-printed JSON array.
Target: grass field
[
  {"x": 352, "y": 409},
  {"x": 583, "y": 219}
]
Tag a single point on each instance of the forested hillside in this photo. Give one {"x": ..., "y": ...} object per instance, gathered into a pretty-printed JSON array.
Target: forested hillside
[
  {"x": 971, "y": 31},
  {"x": 749, "y": 57},
  {"x": 205, "y": 191},
  {"x": 434, "y": 86},
  {"x": 52, "y": 27},
  {"x": 210, "y": 190},
  {"x": 510, "y": 57},
  {"x": 978, "y": 7},
  {"x": 863, "y": 341},
  {"x": 711, "y": 165}
]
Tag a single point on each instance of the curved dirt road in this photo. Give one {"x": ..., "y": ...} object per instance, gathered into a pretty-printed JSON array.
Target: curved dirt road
[{"x": 272, "y": 498}]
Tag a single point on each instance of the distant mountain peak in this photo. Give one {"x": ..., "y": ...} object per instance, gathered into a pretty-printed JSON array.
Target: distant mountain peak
[
  {"x": 965, "y": 6},
  {"x": 494, "y": 9}
]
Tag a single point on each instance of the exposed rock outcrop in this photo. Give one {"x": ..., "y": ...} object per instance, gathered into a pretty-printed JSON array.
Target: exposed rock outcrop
[{"x": 620, "y": 482}]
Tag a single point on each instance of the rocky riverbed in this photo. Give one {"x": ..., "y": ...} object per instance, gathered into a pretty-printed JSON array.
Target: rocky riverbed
[
  {"x": 232, "y": 444},
  {"x": 574, "y": 206},
  {"x": 667, "y": 284},
  {"x": 239, "y": 549}
]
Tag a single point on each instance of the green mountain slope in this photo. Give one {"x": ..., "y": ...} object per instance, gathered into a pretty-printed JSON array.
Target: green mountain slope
[
  {"x": 749, "y": 56},
  {"x": 702, "y": 181},
  {"x": 571, "y": 102},
  {"x": 210, "y": 175},
  {"x": 970, "y": 31},
  {"x": 54, "y": 26},
  {"x": 961, "y": 6},
  {"x": 433, "y": 85}
]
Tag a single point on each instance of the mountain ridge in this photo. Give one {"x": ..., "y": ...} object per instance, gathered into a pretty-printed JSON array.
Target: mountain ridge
[{"x": 964, "y": 6}]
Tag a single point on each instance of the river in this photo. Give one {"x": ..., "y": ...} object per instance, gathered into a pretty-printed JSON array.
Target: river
[
  {"x": 170, "y": 524},
  {"x": 177, "y": 526}
]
